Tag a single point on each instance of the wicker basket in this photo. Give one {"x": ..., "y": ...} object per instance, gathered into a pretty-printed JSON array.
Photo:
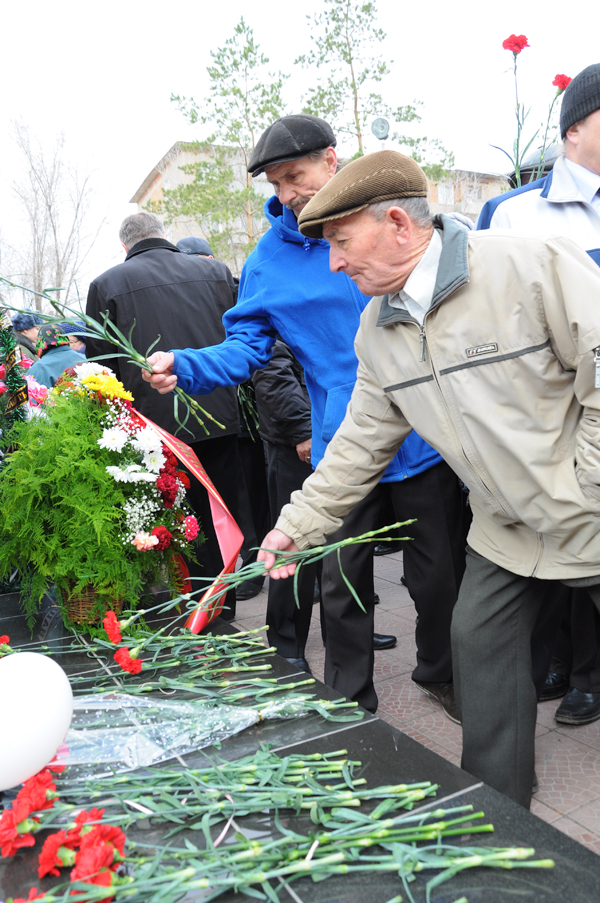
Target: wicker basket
[{"x": 82, "y": 607}]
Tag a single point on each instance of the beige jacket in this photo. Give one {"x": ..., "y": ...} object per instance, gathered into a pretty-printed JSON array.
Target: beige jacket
[{"x": 500, "y": 380}]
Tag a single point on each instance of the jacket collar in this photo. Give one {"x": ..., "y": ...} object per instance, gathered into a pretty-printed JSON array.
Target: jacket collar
[
  {"x": 148, "y": 243},
  {"x": 560, "y": 185},
  {"x": 284, "y": 222},
  {"x": 453, "y": 270}
]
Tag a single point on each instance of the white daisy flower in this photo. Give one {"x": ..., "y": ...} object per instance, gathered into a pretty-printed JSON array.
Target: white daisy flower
[
  {"x": 154, "y": 461},
  {"x": 114, "y": 439},
  {"x": 119, "y": 474},
  {"x": 147, "y": 440}
]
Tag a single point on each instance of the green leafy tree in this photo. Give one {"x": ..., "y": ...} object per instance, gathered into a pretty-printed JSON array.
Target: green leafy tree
[
  {"x": 242, "y": 100},
  {"x": 345, "y": 40}
]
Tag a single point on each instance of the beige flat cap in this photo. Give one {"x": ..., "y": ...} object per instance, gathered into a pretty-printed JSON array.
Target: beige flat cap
[{"x": 381, "y": 176}]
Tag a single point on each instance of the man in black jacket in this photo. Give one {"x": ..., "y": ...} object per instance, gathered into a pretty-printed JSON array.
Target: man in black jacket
[
  {"x": 160, "y": 293},
  {"x": 284, "y": 421}
]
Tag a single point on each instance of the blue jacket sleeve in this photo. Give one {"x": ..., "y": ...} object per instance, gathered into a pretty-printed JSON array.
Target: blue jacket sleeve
[{"x": 247, "y": 347}]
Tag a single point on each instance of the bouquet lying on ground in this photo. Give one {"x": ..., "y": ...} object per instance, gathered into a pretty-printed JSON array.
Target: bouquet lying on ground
[{"x": 91, "y": 497}]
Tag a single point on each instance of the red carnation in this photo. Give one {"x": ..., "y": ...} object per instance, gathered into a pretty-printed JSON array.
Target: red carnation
[
  {"x": 112, "y": 627},
  {"x": 561, "y": 82},
  {"x": 58, "y": 852},
  {"x": 191, "y": 528},
  {"x": 83, "y": 818},
  {"x": 33, "y": 895},
  {"x": 170, "y": 459},
  {"x": 15, "y": 826},
  {"x": 167, "y": 486},
  {"x": 4, "y": 639},
  {"x": 164, "y": 538},
  {"x": 127, "y": 663},
  {"x": 104, "y": 834},
  {"x": 515, "y": 43},
  {"x": 39, "y": 792}
]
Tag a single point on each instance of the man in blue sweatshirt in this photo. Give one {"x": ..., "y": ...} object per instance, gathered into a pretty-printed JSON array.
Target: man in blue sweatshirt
[{"x": 287, "y": 288}]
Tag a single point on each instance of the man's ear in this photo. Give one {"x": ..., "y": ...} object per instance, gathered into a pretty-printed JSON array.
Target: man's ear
[
  {"x": 398, "y": 217},
  {"x": 125, "y": 248},
  {"x": 331, "y": 160}
]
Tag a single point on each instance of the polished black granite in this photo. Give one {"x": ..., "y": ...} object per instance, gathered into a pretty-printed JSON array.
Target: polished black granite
[{"x": 387, "y": 757}]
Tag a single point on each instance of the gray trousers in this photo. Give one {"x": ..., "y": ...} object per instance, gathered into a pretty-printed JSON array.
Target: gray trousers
[{"x": 492, "y": 625}]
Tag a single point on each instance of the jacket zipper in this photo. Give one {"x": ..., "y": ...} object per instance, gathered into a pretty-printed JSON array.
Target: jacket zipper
[
  {"x": 423, "y": 345},
  {"x": 597, "y": 368}
]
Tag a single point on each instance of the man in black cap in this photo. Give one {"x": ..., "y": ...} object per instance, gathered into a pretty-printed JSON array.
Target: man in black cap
[
  {"x": 567, "y": 202},
  {"x": 196, "y": 246},
  {"x": 287, "y": 288}
]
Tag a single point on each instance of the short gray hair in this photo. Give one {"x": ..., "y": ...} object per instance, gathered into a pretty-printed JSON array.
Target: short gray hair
[
  {"x": 139, "y": 226},
  {"x": 416, "y": 208}
]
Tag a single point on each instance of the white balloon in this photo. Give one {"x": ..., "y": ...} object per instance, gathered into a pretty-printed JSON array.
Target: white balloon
[{"x": 36, "y": 707}]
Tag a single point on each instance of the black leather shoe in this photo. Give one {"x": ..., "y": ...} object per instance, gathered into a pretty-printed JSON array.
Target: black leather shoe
[
  {"x": 380, "y": 641},
  {"x": 300, "y": 663},
  {"x": 387, "y": 548},
  {"x": 578, "y": 708},
  {"x": 403, "y": 580},
  {"x": 248, "y": 590},
  {"x": 376, "y": 599},
  {"x": 556, "y": 686},
  {"x": 444, "y": 694}
]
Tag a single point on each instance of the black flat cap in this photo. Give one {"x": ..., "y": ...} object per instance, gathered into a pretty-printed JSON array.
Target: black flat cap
[
  {"x": 290, "y": 138},
  {"x": 193, "y": 245}
]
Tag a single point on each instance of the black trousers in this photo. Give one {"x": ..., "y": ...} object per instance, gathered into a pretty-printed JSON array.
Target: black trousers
[
  {"x": 492, "y": 627},
  {"x": 433, "y": 565},
  {"x": 254, "y": 513},
  {"x": 577, "y": 647},
  {"x": 288, "y": 622},
  {"x": 219, "y": 457}
]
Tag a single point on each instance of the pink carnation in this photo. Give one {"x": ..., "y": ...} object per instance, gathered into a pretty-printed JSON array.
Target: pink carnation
[
  {"x": 191, "y": 528},
  {"x": 144, "y": 541}
]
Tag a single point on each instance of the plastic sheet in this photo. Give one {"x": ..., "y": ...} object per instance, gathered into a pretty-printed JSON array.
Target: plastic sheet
[{"x": 118, "y": 732}]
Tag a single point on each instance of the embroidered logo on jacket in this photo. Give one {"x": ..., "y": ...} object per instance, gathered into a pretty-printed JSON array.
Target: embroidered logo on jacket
[{"x": 482, "y": 349}]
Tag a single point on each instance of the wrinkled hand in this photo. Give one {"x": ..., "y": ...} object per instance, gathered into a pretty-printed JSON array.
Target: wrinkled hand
[
  {"x": 162, "y": 377},
  {"x": 303, "y": 450},
  {"x": 281, "y": 543}
]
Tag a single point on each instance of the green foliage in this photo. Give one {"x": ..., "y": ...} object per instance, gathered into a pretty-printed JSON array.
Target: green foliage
[
  {"x": 242, "y": 100},
  {"x": 61, "y": 518},
  {"x": 345, "y": 39}
]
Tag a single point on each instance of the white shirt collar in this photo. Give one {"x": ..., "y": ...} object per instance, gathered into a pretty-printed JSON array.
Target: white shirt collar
[
  {"x": 417, "y": 294},
  {"x": 587, "y": 182}
]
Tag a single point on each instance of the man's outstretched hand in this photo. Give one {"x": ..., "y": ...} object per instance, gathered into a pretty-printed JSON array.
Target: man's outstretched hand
[
  {"x": 281, "y": 543},
  {"x": 162, "y": 377}
]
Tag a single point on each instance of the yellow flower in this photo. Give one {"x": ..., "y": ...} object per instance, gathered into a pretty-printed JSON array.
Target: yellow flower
[{"x": 108, "y": 386}]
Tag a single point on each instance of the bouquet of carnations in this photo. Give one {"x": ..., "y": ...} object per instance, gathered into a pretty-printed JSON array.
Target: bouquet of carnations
[{"x": 91, "y": 497}]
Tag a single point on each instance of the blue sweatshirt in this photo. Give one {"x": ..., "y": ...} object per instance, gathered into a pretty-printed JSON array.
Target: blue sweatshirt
[{"x": 287, "y": 288}]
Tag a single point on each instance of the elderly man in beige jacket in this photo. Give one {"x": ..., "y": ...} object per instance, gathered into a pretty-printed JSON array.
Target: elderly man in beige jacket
[{"x": 487, "y": 344}]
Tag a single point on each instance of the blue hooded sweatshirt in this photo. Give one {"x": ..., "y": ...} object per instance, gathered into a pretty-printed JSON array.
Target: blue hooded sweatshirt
[{"x": 287, "y": 288}]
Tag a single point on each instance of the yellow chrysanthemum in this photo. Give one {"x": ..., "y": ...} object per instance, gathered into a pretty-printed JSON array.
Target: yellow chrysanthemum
[{"x": 108, "y": 386}]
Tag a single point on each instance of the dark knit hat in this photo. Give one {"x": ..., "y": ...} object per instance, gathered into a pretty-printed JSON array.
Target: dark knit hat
[
  {"x": 194, "y": 245},
  {"x": 77, "y": 326},
  {"x": 382, "y": 176},
  {"x": 50, "y": 337},
  {"x": 290, "y": 138},
  {"x": 25, "y": 321},
  {"x": 581, "y": 97}
]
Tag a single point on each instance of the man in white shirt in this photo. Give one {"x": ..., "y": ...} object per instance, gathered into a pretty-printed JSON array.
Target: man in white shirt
[{"x": 567, "y": 202}]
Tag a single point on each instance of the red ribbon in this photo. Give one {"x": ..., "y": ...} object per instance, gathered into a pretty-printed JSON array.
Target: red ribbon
[{"x": 229, "y": 535}]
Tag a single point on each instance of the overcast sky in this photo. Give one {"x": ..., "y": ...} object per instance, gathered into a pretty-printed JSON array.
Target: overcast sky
[{"x": 103, "y": 73}]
